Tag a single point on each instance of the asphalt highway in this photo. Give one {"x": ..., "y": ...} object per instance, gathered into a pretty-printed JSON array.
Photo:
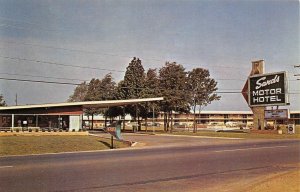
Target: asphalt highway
[{"x": 170, "y": 168}]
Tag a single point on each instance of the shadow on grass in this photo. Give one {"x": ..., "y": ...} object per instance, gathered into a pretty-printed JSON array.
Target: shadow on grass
[{"x": 108, "y": 145}]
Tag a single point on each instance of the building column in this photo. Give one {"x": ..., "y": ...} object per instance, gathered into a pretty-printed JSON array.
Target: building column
[
  {"x": 36, "y": 120},
  {"x": 81, "y": 122},
  {"x": 12, "y": 120}
]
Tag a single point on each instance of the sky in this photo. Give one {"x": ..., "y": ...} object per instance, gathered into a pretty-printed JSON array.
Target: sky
[{"x": 41, "y": 38}]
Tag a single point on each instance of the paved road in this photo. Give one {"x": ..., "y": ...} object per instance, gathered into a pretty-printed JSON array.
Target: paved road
[{"x": 171, "y": 168}]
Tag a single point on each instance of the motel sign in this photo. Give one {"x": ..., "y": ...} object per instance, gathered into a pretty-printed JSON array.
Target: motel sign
[{"x": 268, "y": 89}]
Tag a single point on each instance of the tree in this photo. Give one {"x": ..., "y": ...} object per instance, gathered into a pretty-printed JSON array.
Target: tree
[
  {"x": 79, "y": 93},
  {"x": 201, "y": 88},
  {"x": 151, "y": 85},
  {"x": 173, "y": 84},
  {"x": 101, "y": 90},
  {"x": 151, "y": 89},
  {"x": 2, "y": 101},
  {"x": 132, "y": 86},
  {"x": 92, "y": 95},
  {"x": 107, "y": 88},
  {"x": 108, "y": 91},
  {"x": 134, "y": 80}
]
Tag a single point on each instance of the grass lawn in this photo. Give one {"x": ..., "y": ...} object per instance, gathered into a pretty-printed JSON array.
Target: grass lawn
[
  {"x": 245, "y": 135},
  {"x": 24, "y": 145},
  {"x": 240, "y": 135},
  {"x": 160, "y": 130}
]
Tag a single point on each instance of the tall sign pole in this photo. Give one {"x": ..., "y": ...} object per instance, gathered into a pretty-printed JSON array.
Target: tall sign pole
[{"x": 258, "y": 67}]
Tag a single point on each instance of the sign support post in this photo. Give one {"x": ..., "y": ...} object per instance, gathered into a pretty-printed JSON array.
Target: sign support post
[
  {"x": 258, "y": 67},
  {"x": 153, "y": 129},
  {"x": 112, "y": 142}
]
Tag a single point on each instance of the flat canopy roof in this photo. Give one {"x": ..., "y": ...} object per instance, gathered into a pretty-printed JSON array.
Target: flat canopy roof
[{"x": 100, "y": 104}]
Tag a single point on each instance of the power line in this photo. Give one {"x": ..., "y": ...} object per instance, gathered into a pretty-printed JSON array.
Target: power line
[
  {"x": 73, "y": 50},
  {"x": 296, "y": 66},
  {"x": 67, "y": 65},
  {"x": 60, "y": 64},
  {"x": 26, "y": 22},
  {"x": 93, "y": 52},
  {"x": 66, "y": 83},
  {"x": 112, "y": 54},
  {"x": 38, "y": 81},
  {"x": 29, "y": 29},
  {"x": 47, "y": 77}
]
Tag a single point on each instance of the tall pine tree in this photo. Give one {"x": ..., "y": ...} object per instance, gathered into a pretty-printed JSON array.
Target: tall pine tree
[
  {"x": 132, "y": 86},
  {"x": 173, "y": 84},
  {"x": 202, "y": 90}
]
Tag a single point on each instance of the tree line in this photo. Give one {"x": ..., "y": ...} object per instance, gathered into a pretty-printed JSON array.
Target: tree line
[{"x": 183, "y": 91}]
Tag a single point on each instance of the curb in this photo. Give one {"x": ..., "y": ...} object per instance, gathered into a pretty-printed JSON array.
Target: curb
[{"x": 193, "y": 136}]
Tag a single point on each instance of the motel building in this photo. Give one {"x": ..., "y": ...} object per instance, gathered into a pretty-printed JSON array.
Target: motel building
[
  {"x": 70, "y": 117},
  {"x": 56, "y": 116},
  {"x": 204, "y": 120}
]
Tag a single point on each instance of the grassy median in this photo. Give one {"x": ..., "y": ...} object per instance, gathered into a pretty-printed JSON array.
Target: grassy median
[
  {"x": 240, "y": 135},
  {"x": 246, "y": 135},
  {"x": 25, "y": 145}
]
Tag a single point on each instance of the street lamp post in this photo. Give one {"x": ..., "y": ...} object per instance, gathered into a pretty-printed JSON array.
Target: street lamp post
[{"x": 153, "y": 119}]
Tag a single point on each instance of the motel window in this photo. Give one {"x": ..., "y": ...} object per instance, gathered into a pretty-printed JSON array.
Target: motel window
[{"x": 295, "y": 115}]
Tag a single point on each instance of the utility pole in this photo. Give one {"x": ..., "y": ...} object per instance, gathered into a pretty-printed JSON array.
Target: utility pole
[
  {"x": 153, "y": 129},
  {"x": 295, "y": 66},
  {"x": 16, "y": 100}
]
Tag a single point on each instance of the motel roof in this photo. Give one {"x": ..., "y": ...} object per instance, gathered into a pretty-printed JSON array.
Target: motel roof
[{"x": 100, "y": 104}]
